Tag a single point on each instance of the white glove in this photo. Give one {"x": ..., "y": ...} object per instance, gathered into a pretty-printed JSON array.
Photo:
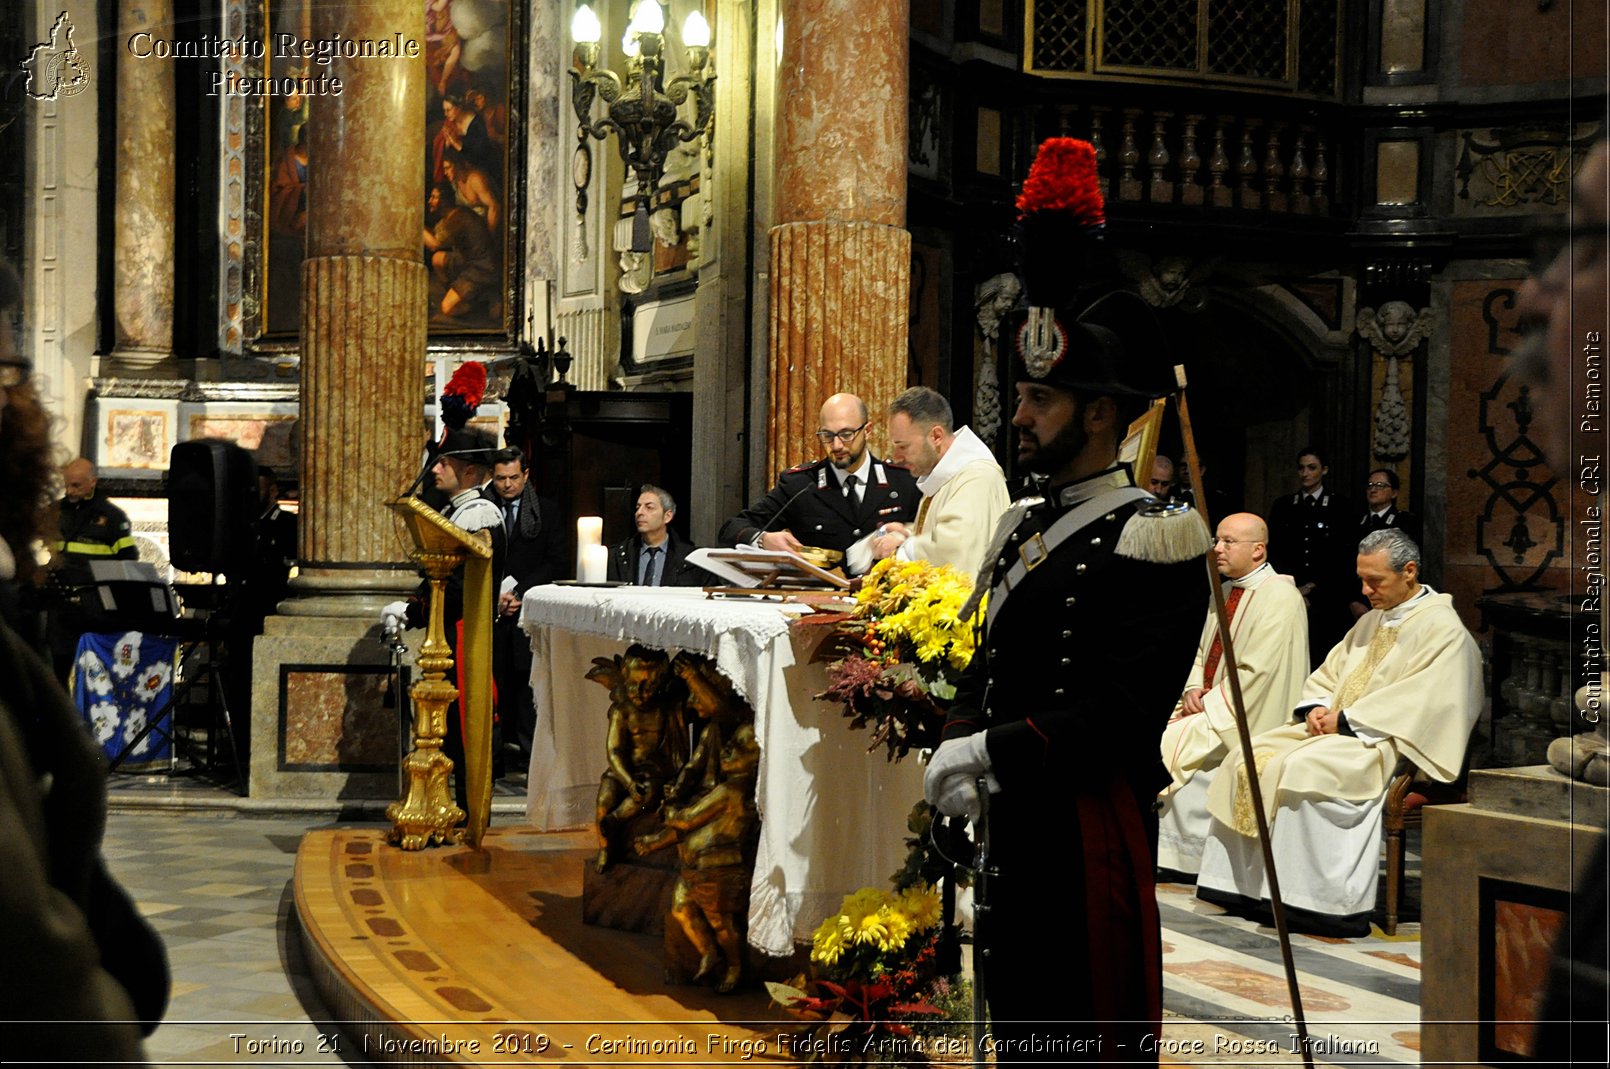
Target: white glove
[
  {"x": 957, "y": 759},
  {"x": 958, "y": 797},
  {"x": 394, "y": 611}
]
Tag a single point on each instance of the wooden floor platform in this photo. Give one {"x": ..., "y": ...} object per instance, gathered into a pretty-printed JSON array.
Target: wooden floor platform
[{"x": 480, "y": 956}]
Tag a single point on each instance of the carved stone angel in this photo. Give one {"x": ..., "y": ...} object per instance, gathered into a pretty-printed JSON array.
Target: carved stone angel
[
  {"x": 993, "y": 299},
  {"x": 1395, "y": 328}
]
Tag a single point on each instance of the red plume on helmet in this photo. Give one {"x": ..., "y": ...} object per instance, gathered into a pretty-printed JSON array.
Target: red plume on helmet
[
  {"x": 463, "y": 394},
  {"x": 1061, "y": 221}
]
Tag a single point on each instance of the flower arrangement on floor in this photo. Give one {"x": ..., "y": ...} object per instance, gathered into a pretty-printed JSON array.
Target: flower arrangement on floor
[
  {"x": 874, "y": 970},
  {"x": 897, "y": 654}
]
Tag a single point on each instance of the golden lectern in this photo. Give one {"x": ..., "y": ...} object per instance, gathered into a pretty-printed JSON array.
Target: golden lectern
[{"x": 426, "y": 814}]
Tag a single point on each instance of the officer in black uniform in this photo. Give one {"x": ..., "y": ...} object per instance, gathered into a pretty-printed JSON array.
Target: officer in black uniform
[
  {"x": 1312, "y": 538},
  {"x": 832, "y": 503},
  {"x": 1095, "y": 590}
]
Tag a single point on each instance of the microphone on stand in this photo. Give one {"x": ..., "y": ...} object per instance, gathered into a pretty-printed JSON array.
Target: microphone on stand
[
  {"x": 778, "y": 515},
  {"x": 432, "y": 449}
]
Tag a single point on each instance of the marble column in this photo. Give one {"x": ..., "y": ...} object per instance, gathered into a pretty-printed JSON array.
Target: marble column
[
  {"x": 840, "y": 256},
  {"x": 364, "y": 312},
  {"x": 320, "y": 723},
  {"x": 143, "y": 206}
]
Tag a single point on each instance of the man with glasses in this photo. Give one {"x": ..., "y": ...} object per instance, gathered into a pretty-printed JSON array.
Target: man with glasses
[
  {"x": 832, "y": 503},
  {"x": 1269, "y": 631}
]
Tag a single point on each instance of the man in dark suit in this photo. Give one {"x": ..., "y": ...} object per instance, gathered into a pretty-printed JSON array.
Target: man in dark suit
[
  {"x": 835, "y": 501},
  {"x": 656, "y": 555},
  {"x": 1312, "y": 539},
  {"x": 534, "y": 545}
]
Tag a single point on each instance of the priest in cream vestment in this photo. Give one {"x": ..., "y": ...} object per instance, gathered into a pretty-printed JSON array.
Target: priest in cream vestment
[
  {"x": 1269, "y": 635},
  {"x": 1405, "y": 681},
  {"x": 963, "y": 489}
]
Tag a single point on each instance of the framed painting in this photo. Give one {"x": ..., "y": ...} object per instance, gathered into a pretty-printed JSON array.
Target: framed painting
[{"x": 471, "y": 174}]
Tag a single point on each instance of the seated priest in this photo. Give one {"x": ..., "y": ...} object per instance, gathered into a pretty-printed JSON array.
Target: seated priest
[
  {"x": 833, "y": 502},
  {"x": 1269, "y": 637},
  {"x": 1405, "y": 681}
]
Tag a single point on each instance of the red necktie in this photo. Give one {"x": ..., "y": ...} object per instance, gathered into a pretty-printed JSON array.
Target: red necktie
[{"x": 1216, "y": 650}]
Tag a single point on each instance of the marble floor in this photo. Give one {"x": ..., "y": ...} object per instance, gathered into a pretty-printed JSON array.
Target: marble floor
[{"x": 214, "y": 876}]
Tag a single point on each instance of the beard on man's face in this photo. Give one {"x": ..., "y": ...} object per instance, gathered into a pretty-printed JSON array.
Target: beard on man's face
[{"x": 1050, "y": 457}]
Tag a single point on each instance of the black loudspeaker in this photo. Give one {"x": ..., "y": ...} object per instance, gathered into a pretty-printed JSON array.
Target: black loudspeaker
[{"x": 212, "y": 506}]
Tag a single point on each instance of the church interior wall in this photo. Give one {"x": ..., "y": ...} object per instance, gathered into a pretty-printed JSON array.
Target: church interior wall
[{"x": 1489, "y": 74}]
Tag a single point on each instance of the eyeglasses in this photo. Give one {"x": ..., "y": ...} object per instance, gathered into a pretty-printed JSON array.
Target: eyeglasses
[
  {"x": 1377, "y": 486},
  {"x": 1237, "y": 542},
  {"x": 842, "y": 436}
]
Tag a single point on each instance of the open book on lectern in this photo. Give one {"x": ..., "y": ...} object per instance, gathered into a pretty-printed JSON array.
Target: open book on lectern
[{"x": 753, "y": 568}]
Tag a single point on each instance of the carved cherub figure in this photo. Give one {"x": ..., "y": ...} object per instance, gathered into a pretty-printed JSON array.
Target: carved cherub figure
[
  {"x": 646, "y": 741},
  {"x": 711, "y": 816},
  {"x": 994, "y": 298},
  {"x": 1395, "y": 328}
]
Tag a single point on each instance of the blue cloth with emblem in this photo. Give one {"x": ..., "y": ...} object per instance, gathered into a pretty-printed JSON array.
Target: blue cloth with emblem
[
  {"x": 120, "y": 681},
  {"x": 810, "y": 502}
]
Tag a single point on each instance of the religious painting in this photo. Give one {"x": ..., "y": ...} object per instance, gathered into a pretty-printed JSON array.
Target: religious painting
[
  {"x": 271, "y": 439},
  {"x": 471, "y": 236},
  {"x": 136, "y": 438}
]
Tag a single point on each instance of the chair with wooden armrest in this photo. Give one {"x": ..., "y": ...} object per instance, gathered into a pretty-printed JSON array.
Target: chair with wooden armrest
[{"x": 1410, "y": 792}]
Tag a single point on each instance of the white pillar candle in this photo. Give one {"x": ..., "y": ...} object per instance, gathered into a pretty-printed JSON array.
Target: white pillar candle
[
  {"x": 594, "y": 564},
  {"x": 589, "y": 532}
]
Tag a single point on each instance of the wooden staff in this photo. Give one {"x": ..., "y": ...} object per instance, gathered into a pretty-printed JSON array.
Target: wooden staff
[{"x": 1249, "y": 766}]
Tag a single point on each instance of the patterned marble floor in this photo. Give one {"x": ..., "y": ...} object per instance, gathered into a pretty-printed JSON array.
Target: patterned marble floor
[{"x": 216, "y": 884}]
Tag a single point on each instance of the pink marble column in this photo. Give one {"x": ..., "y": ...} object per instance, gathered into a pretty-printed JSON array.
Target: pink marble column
[
  {"x": 840, "y": 256},
  {"x": 142, "y": 219},
  {"x": 363, "y": 314}
]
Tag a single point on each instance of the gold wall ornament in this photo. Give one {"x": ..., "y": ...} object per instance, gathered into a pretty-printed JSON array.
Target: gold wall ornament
[{"x": 426, "y": 814}]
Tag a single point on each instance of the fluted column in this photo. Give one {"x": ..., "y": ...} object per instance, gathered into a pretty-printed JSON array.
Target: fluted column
[
  {"x": 840, "y": 256},
  {"x": 143, "y": 209},
  {"x": 363, "y": 313}
]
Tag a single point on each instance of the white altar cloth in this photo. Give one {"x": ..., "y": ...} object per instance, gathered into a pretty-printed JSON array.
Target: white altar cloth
[{"x": 833, "y": 817}]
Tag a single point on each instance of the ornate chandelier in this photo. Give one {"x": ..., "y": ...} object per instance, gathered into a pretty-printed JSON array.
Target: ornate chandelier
[{"x": 641, "y": 109}]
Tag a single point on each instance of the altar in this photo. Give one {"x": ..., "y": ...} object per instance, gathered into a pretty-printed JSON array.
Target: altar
[{"x": 833, "y": 817}]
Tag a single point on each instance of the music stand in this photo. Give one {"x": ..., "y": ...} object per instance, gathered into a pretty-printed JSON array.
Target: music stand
[{"x": 131, "y": 596}]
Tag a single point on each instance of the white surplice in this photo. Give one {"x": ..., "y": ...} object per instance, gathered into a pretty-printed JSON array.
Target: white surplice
[
  {"x": 1409, "y": 681},
  {"x": 1269, "y": 631}
]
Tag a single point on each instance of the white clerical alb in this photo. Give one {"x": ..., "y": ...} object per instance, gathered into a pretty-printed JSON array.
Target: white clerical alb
[
  {"x": 1409, "y": 681},
  {"x": 1269, "y": 632}
]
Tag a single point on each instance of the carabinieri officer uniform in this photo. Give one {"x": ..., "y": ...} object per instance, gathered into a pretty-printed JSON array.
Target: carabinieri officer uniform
[
  {"x": 813, "y": 502},
  {"x": 1095, "y": 591}
]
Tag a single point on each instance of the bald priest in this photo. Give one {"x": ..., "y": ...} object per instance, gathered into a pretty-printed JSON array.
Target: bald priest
[{"x": 1269, "y": 637}]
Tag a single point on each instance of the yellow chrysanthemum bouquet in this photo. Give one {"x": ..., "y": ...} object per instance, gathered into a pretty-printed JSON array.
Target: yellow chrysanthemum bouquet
[
  {"x": 897, "y": 654},
  {"x": 874, "y": 963}
]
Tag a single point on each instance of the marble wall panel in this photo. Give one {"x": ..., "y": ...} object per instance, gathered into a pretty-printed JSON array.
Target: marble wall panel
[
  {"x": 1524, "y": 936},
  {"x": 1504, "y": 43},
  {"x": 1504, "y": 504},
  {"x": 333, "y": 719},
  {"x": 134, "y": 437}
]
